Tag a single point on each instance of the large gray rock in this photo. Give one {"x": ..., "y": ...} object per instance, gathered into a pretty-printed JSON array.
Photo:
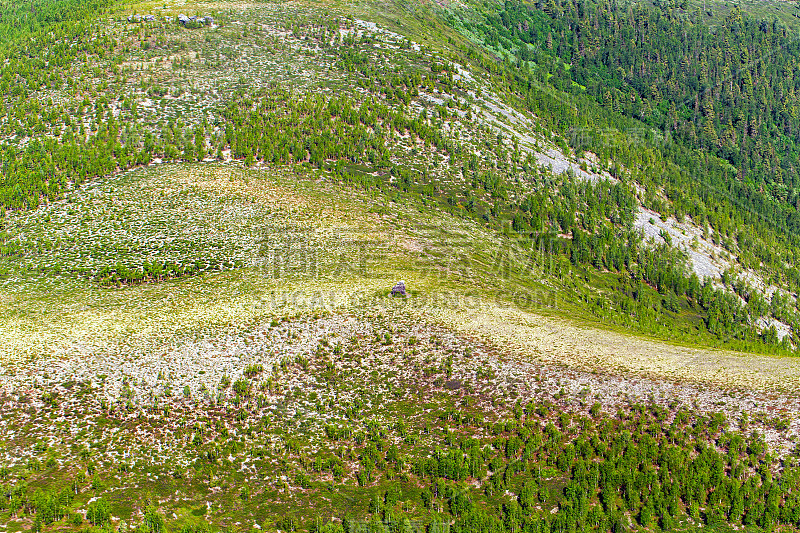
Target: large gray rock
[{"x": 399, "y": 289}]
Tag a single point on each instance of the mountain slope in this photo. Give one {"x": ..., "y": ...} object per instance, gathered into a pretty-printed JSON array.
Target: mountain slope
[
  {"x": 470, "y": 152},
  {"x": 204, "y": 215}
]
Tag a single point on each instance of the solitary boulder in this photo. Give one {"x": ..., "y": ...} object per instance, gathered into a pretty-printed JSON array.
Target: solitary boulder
[{"x": 399, "y": 289}]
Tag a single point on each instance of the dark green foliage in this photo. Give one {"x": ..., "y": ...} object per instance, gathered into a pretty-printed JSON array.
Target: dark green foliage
[
  {"x": 339, "y": 134},
  {"x": 50, "y": 507},
  {"x": 728, "y": 90},
  {"x": 38, "y": 38},
  {"x": 658, "y": 471},
  {"x": 705, "y": 115},
  {"x": 98, "y": 512},
  {"x": 153, "y": 521}
]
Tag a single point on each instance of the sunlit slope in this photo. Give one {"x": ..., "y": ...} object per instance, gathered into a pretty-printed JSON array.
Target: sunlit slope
[{"x": 296, "y": 246}]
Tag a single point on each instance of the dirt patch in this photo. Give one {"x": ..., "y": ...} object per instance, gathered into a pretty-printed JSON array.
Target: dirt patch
[{"x": 411, "y": 245}]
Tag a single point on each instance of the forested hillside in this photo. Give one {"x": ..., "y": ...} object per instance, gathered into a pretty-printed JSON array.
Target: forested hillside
[
  {"x": 38, "y": 41},
  {"x": 84, "y": 108},
  {"x": 205, "y": 207},
  {"x": 729, "y": 91}
]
